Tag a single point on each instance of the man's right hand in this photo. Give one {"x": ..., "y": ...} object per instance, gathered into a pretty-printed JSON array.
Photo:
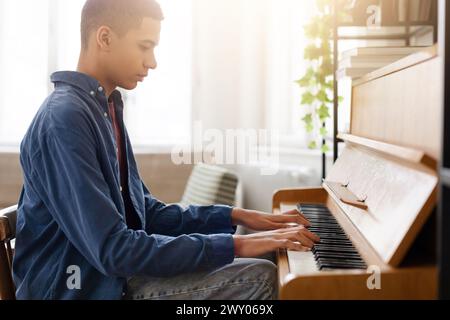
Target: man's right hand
[{"x": 253, "y": 245}]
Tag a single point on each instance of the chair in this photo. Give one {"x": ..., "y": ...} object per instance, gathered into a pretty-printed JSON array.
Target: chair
[
  {"x": 8, "y": 218},
  {"x": 209, "y": 184}
]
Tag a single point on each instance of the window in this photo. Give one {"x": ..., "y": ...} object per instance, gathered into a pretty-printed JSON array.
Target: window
[
  {"x": 285, "y": 47},
  {"x": 24, "y": 35},
  {"x": 40, "y": 37}
]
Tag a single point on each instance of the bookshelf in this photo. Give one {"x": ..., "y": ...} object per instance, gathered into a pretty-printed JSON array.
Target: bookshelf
[{"x": 393, "y": 27}]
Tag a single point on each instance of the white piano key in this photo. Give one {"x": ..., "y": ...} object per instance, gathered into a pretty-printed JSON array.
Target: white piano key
[
  {"x": 302, "y": 262},
  {"x": 287, "y": 207}
]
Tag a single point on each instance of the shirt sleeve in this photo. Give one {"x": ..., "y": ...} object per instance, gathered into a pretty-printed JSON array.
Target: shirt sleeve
[
  {"x": 175, "y": 220},
  {"x": 72, "y": 186}
]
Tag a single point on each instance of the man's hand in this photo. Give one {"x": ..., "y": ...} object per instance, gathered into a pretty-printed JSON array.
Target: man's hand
[
  {"x": 260, "y": 221},
  {"x": 254, "y": 245}
]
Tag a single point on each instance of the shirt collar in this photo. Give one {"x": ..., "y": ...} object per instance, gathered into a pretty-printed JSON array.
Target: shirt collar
[{"x": 88, "y": 84}]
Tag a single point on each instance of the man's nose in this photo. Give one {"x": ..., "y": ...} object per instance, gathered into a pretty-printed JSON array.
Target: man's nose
[{"x": 151, "y": 64}]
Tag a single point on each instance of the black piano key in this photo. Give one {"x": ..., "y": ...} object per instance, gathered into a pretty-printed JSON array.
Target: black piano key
[
  {"x": 317, "y": 256},
  {"x": 320, "y": 217},
  {"x": 338, "y": 265},
  {"x": 339, "y": 242},
  {"x": 312, "y": 205},
  {"x": 341, "y": 263},
  {"x": 337, "y": 254},
  {"x": 322, "y": 228},
  {"x": 330, "y": 233},
  {"x": 321, "y": 260},
  {"x": 317, "y": 217},
  {"x": 320, "y": 248},
  {"x": 351, "y": 259},
  {"x": 333, "y": 235},
  {"x": 316, "y": 220},
  {"x": 328, "y": 236},
  {"x": 329, "y": 221},
  {"x": 322, "y": 221},
  {"x": 335, "y": 246},
  {"x": 326, "y": 231},
  {"x": 336, "y": 262},
  {"x": 325, "y": 267},
  {"x": 326, "y": 226},
  {"x": 321, "y": 212}
]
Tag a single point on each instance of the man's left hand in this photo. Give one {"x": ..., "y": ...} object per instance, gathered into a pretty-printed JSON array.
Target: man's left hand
[{"x": 261, "y": 221}]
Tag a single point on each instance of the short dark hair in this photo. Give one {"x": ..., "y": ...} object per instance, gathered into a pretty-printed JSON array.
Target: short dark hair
[{"x": 119, "y": 15}]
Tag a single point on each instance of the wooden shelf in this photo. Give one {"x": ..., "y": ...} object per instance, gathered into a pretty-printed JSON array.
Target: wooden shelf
[
  {"x": 400, "y": 24},
  {"x": 383, "y": 33},
  {"x": 425, "y": 54},
  {"x": 399, "y": 152}
]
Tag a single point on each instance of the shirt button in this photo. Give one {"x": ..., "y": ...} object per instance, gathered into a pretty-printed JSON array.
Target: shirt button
[
  {"x": 105, "y": 114},
  {"x": 92, "y": 93},
  {"x": 100, "y": 89},
  {"x": 121, "y": 189}
]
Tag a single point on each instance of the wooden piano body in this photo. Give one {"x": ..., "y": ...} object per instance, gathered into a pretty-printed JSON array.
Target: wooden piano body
[{"x": 382, "y": 189}]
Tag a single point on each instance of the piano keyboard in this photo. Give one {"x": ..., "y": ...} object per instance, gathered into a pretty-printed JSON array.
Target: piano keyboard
[{"x": 335, "y": 250}]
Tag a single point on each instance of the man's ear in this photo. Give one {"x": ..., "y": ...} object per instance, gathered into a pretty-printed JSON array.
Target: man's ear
[{"x": 104, "y": 38}]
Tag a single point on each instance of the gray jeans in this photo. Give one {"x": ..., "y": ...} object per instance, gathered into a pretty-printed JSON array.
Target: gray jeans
[{"x": 244, "y": 279}]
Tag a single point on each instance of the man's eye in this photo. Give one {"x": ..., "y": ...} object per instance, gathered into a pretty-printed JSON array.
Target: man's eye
[{"x": 144, "y": 48}]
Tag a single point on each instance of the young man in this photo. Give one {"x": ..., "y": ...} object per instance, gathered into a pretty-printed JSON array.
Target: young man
[{"x": 88, "y": 228}]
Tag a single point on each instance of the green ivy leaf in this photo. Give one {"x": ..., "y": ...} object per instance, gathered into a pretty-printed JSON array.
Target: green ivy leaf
[
  {"x": 303, "y": 82},
  {"x": 312, "y": 52},
  {"x": 327, "y": 67},
  {"x": 308, "y": 119},
  {"x": 323, "y": 131},
  {"x": 307, "y": 98},
  {"x": 312, "y": 30},
  {"x": 322, "y": 96},
  {"x": 325, "y": 148},
  {"x": 323, "y": 113},
  {"x": 328, "y": 85},
  {"x": 310, "y": 77},
  {"x": 312, "y": 145}
]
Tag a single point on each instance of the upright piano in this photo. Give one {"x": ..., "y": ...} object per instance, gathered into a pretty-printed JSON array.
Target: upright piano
[{"x": 374, "y": 211}]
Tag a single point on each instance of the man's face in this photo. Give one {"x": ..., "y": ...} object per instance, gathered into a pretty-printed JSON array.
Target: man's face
[{"x": 130, "y": 57}]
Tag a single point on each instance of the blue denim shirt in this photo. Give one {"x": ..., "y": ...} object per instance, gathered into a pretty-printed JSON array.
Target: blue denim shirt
[{"x": 72, "y": 238}]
